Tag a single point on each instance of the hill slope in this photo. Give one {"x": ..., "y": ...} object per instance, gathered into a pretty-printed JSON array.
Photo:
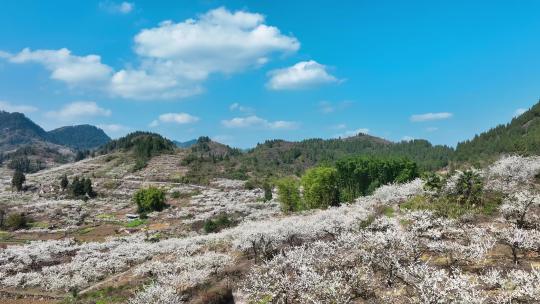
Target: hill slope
[
  {"x": 185, "y": 144},
  {"x": 279, "y": 157},
  {"x": 521, "y": 135},
  {"x": 81, "y": 137},
  {"x": 16, "y": 130}
]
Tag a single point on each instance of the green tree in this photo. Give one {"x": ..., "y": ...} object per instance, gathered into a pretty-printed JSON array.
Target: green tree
[
  {"x": 289, "y": 194},
  {"x": 64, "y": 182},
  {"x": 320, "y": 187},
  {"x": 87, "y": 187},
  {"x": 469, "y": 187},
  {"x": 18, "y": 180},
  {"x": 362, "y": 175},
  {"x": 267, "y": 191},
  {"x": 149, "y": 199},
  {"x": 77, "y": 187}
]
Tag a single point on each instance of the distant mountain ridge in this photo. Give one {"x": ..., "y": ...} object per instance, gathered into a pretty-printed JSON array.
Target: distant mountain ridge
[
  {"x": 81, "y": 137},
  {"x": 17, "y": 130}
]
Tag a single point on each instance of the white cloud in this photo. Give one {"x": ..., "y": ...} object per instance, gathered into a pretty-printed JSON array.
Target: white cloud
[
  {"x": 117, "y": 8},
  {"x": 339, "y": 127},
  {"x": 238, "y": 107},
  {"x": 327, "y": 107},
  {"x": 304, "y": 74},
  {"x": 519, "y": 111},
  {"x": 139, "y": 85},
  {"x": 113, "y": 128},
  {"x": 430, "y": 116},
  {"x": 407, "y": 138},
  {"x": 218, "y": 41},
  {"x": 257, "y": 122},
  {"x": 350, "y": 133},
  {"x": 8, "y": 107},
  {"x": 224, "y": 139},
  {"x": 177, "y": 118},
  {"x": 432, "y": 129},
  {"x": 182, "y": 55},
  {"x": 78, "y": 109},
  {"x": 175, "y": 58},
  {"x": 64, "y": 66}
]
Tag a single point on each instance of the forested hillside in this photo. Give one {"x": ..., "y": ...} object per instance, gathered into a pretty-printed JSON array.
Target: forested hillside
[
  {"x": 279, "y": 158},
  {"x": 521, "y": 135},
  {"x": 81, "y": 137},
  {"x": 16, "y": 129}
]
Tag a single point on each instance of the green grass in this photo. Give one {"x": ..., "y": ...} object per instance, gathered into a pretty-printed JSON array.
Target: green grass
[
  {"x": 85, "y": 230},
  {"x": 388, "y": 211},
  {"x": 38, "y": 224},
  {"x": 4, "y": 235},
  {"x": 108, "y": 295},
  {"x": 365, "y": 223},
  {"x": 182, "y": 195},
  {"x": 450, "y": 208},
  {"x": 418, "y": 202},
  {"x": 106, "y": 216},
  {"x": 135, "y": 223}
]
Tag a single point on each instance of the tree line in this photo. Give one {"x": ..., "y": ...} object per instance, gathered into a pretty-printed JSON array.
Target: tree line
[{"x": 348, "y": 179}]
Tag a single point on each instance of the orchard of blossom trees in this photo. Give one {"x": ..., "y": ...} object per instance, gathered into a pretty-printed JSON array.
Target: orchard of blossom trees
[{"x": 377, "y": 249}]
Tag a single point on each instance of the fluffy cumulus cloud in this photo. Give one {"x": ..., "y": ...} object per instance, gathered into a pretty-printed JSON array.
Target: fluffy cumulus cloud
[
  {"x": 218, "y": 41},
  {"x": 177, "y": 118},
  {"x": 64, "y": 66},
  {"x": 257, "y": 122},
  {"x": 77, "y": 110},
  {"x": 304, "y": 74},
  {"x": 184, "y": 54},
  {"x": 175, "y": 57},
  {"x": 117, "y": 8},
  {"x": 350, "y": 133},
  {"x": 9, "y": 107},
  {"x": 431, "y": 116}
]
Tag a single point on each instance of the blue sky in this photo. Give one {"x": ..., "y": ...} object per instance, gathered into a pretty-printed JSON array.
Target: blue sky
[{"x": 245, "y": 71}]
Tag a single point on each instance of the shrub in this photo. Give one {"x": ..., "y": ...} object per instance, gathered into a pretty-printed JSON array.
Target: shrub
[
  {"x": 18, "y": 180},
  {"x": 16, "y": 221},
  {"x": 250, "y": 184},
  {"x": 267, "y": 191},
  {"x": 149, "y": 199},
  {"x": 217, "y": 224},
  {"x": 469, "y": 187},
  {"x": 320, "y": 187},
  {"x": 140, "y": 164},
  {"x": 289, "y": 194},
  {"x": 432, "y": 182},
  {"x": 82, "y": 188},
  {"x": 64, "y": 182}
]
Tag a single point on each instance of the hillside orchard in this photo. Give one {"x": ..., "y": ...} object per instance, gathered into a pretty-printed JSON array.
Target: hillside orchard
[{"x": 346, "y": 235}]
